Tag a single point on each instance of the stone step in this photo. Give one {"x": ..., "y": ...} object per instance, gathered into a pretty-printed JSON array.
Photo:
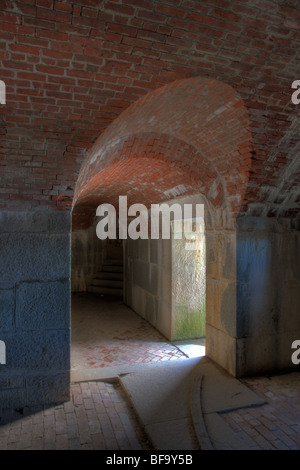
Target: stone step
[
  {"x": 105, "y": 290},
  {"x": 109, "y": 275},
  {"x": 112, "y": 268},
  {"x": 114, "y": 262},
  {"x": 115, "y": 283}
]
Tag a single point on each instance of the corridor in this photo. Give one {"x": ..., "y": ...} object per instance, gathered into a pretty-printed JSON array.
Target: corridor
[{"x": 105, "y": 333}]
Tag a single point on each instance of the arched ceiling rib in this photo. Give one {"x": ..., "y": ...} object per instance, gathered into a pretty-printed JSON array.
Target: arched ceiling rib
[{"x": 198, "y": 127}]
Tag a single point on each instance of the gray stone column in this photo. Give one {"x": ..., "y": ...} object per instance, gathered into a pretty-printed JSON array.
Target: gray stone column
[
  {"x": 268, "y": 294},
  {"x": 253, "y": 295},
  {"x": 35, "y": 307},
  {"x": 221, "y": 325}
]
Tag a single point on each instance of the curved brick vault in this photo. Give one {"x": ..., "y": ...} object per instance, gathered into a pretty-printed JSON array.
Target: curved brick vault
[
  {"x": 71, "y": 68},
  {"x": 192, "y": 136}
]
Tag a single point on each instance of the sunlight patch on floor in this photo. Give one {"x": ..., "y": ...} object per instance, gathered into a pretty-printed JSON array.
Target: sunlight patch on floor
[{"x": 192, "y": 348}]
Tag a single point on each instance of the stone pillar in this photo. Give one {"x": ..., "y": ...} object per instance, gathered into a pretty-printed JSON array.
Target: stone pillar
[
  {"x": 221, "y": 325},
  {"x": 35, "y": 307},
  {"x": 268, "y": 294}
]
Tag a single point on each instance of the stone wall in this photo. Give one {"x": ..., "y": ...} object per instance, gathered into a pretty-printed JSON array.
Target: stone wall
[
  {"x": 268, "y": 294},
  {"x": 149, "y": 276},
  {"x": 252, "y": 298},
  {"x": 147, "y": 286},
  {"x": 88, "y": 253},
  {"x": 35, "y": 307},
  {"x": 253, "y": 294},
  {"x": 221, "y": 292}
]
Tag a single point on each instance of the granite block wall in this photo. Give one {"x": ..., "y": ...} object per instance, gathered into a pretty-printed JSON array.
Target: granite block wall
[
  {"x": 35, "y": 307},
  {"x": 268, "y": 293}
]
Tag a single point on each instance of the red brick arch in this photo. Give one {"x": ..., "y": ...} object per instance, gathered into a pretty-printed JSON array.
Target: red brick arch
[{"x": 192, "y": 136}]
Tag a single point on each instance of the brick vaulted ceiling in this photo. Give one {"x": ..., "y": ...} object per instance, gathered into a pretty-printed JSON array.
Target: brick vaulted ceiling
[
  {"x": 219, "y": 74},
  {"x": 190, "y": 136}
]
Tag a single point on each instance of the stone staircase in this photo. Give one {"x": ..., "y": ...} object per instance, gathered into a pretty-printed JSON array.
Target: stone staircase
[{"x": 109, "y": 281}]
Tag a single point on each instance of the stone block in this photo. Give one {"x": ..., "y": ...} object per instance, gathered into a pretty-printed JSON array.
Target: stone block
[
  {"x": 289, "y": 308},
  {"x": 151, "y": 309},
  {"x": 13, "y": 398},
  {"x": 49, "y": 389},
  {"x": 153, "y": 279},
  {"x": 11, "y": 381},
  {"x": 292, "y": 258},
  {"x": 38, "y": 221},
  {"x": 128, "y": 269},
  {"x": 60, "y": 222},
  {"x": 254, "y": 259},
  {"x": 143, "y": 250},
  {"x": 221, "y": 348},
  {"x": 24, "y": 221},
  {"x": 221, "y": 305},
  {"x": 43, "y": 305},
  {"x": 35, "y": 293},
  {"x": 138, "y": 296},
  {"x": 256, "y": 354},
  {"x": 164, "y": 319},
  {"x": 132, "y": 248},
  {"x": 153, "y": 251},
  {"x": 160, "y": 252},
  {"x": 165, "y": 254},
  {"x": 257, "y": 309},
  {"x": 7, "y": 321},
  {"x": 37, "y": 350},
  {"x": 127, "y": 292},
  {"x": 164, "y": 284},
  {"x": 256, "y": 224},
  {"x": 34, "y": 256},
  {"x": 141, "y": 275},
  {"x": 221, "y": 255}
]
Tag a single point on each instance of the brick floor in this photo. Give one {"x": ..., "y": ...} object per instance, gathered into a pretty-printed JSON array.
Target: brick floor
[
  {"x": 275, "y": 425},
  {"x": 105, "y": 332},
  {"x": 97, "y": 418}
]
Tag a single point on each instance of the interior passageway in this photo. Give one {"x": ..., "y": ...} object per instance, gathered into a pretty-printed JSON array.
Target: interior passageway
[{"x": 106, "y": 333}]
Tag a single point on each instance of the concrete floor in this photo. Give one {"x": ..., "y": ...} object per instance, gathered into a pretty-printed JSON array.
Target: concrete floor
[{"x": 108, "y": 338}]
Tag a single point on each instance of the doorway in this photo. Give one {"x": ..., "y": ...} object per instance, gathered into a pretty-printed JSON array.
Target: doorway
[{"x": 189, "y": 286}]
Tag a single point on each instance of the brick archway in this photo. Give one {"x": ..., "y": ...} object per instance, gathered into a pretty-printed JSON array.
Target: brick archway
[
  {"x": 193, "y": 134},
  {"x": 189, "y": 139}
]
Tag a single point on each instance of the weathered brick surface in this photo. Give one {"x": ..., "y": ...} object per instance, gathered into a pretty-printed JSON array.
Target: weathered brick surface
[
  {"x": 274, "y": 426},
  {"x": 128, "y": 338},
  {"x": 72, "y": 68},
  {"x": 177, "y": 135},
  {"x": 96, "y": 418}
]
